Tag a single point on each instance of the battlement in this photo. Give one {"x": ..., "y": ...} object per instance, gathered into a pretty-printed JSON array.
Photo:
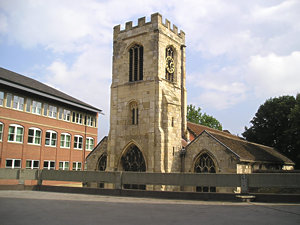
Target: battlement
[{"x": 156, "y": 19}]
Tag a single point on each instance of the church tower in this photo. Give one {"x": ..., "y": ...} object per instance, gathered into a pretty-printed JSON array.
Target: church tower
[{"x": 148, "y": 97}]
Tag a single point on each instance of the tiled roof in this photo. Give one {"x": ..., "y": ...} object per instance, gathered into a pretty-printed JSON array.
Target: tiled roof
[
  {"x": 245, "y": 150},
  {"x": 11, "y": 78}
]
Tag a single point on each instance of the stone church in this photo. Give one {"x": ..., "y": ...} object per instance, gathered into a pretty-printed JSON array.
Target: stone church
[{"x": 148, "y": 127}]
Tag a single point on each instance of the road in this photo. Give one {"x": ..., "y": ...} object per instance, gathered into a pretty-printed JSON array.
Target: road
[{"x": 32, "y": 207}]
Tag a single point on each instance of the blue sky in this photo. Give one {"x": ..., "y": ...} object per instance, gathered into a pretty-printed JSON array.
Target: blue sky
[{"x": 239, "y": 53}]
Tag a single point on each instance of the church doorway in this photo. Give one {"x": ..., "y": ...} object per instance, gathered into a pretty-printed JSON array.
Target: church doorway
[
  {"x": 133, "y": 161},
  {"x": 205, "y": 164},
  {"x": 102, "y": 167}
]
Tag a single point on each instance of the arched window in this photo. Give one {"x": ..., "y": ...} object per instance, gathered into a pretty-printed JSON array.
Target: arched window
[
  {"x": 34, "y": 136},
  {"x": 133, "y": 160},
  {"x": 136, "y": 53},
  {"x": 205, "y": 164},
  {"x": 15, "y": 133},
  {"x": 170, "y": 64},
  {"x": 65, "y": 140},
  {"x": 134, "y": 113},
  {"x": 102, "y": 167},
  {"x": 51, "y": 137}
]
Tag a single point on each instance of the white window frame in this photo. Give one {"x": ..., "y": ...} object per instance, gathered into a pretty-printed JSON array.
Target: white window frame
[
  {"x": 52, "y": 111},
  {"x": 67, "y": 115},
  {"x": 32, "y": 164},
  {"x": 49, "y": 167},
  {"x": 50, "y": 138},
  {"x": 77, "y": 166},
  {"x": 77, "y": 142},
  {"x": 34, "y": 136},
  {"x": 63, "y": 143},
  {"x": 64, "y": 165},
  {"x": 1, "y": 98},
  {"x": 1, "y": 131},
  {"x": 90, "y": 121},
  {"x": 36, "y": 107},
  {"x": 18, "y": 103},
  {"x": 16, "y": 126},
  {"x": 13, "y": 163},
  {"x": 77, "y": 118},
  {"x": 88, "y": 144}
]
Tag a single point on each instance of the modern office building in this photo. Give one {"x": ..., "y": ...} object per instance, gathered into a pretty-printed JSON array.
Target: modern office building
[{"x": 41, "y": 127}]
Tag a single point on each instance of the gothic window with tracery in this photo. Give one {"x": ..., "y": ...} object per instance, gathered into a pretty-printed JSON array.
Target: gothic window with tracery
[
  {"x": 205, "y": 164},
  {"x": 170, "y": 64},
  {"x": 136, "y": 53},
  {"x": 133, "y": 160}
]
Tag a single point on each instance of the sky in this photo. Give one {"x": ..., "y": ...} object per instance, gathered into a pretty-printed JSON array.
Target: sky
[{"x": 239, "y": 53}]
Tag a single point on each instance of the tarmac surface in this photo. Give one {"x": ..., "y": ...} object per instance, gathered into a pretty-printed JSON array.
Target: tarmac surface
[{"x": 36, "y": 207}]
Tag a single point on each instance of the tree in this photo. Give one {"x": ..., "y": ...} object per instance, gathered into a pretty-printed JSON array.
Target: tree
[
  {"x": 277, "y": 124},
  {"x": 196, "y": 116}
]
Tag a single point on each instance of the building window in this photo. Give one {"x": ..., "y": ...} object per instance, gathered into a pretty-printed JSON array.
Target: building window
[
  {"x": 13, "y": 163},
  {"x": 51, "y": 138},
  {"x": 49, "y": 165},
  {"x": 18, "y": 103},
  {"x": 136, "y": 63},
  {"x": 65, "y": 140},
  {"x": 170, "y": 64},
  {"x": 89, "y": 143},
  {"x": 1, "y": 98},
  {"x": 67, "y": 115},
  {"x": 36, "y": 107},
  {"x": 134, "y": 113},
  {"x": 52, "y": 111},
  {"x": 78, "y": 142},
  {"x": 205, "y": 164},
  {"x": 15, "y": 133},
  {"x": 1, "y": 131},
  {"x": 76, "y": 166},
  {"x": 64, "y": 165},
  {"x": 34, "y": 136},
  {"x": 77, "y": 118},
  {"x": 90, "y": 121},
  {"x": 45, "y": 109},
  {"x": 32, "y": 164},
  {"x": 60, "y": 113},
  {"x": 28, "y": 104},
  {"x": 8, "y": 100}
]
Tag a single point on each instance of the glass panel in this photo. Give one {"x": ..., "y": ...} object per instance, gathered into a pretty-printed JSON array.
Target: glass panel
[
  {"x": 9, "y": 163},
  {"x": 68, "y": 141},
  {"x": 8, "y": 100},
  {"x": 28, "y": 105},
  {"x": 1, "y": 98},
  {"x": 36, "y": 164},
  {"x": 28, "y": 164},
  {"x": 17, "y": 163},
  {"x": 15, "y": 102}
]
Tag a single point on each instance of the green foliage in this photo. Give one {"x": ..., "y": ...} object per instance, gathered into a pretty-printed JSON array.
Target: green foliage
[
  {"x": 277, "y": 124},
  {"x": 196, "y": 116}
]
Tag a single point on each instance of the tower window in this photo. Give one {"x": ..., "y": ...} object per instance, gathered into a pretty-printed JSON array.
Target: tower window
[
  {"x": 170, "y": 64},
  {"x": 134, "y": 113},
  {"x": 136, "y": 63}
]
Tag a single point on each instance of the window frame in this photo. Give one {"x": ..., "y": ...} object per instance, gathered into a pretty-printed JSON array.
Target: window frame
[
  {"x": 34, "y": 136},
  {"x": 64, "y": 141},
  {"x": 15, "y": 134},
  {"x": 77, "y": 142},
  {"x": 50, "y": 138},
  {"x": 1, "y": 131},
  {"x": 49, "y": 167},
  {"x": 18, "y": 103},
  {"x": 13, "y": 163},
  {"x": 64, "y": 167},
  {"x": 2, "y": 98},
  {"x": 77, "y": 167},
  {"x": 32, "y": 164},
  {"x": 36, "y": 107},
  {"x": 88, "y": 144}
]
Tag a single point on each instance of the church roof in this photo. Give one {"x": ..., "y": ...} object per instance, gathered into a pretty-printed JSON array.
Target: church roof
[
  {"x": 30, "y": 85},
  {"x": 246, "y": 151}
]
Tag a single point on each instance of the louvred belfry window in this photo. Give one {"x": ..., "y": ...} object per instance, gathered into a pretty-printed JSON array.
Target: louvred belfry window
[{"x": 136, "y": 63}]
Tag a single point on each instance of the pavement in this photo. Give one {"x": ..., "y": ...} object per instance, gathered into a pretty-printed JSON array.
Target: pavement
[{"x": 36, "y": 207}]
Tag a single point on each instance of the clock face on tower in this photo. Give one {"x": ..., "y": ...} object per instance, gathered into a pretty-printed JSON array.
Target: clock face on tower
[{"x": 170, "y": 65}]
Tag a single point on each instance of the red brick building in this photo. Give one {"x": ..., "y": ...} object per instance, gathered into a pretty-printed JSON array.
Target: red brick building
[{"x": 41, "y": 127}]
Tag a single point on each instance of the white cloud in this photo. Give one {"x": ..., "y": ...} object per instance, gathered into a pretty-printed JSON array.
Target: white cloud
[{"x": 275, "y": 75}]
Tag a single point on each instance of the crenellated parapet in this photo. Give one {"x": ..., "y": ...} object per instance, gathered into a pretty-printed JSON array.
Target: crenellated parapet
[{"x": 155, "y": 23}]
